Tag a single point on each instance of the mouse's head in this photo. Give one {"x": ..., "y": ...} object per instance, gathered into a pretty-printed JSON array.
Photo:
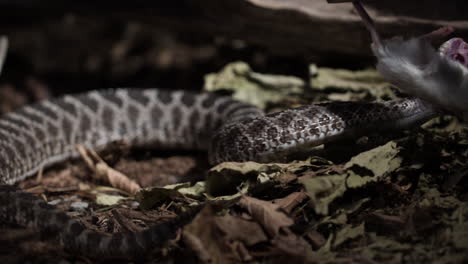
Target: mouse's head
[{"x": 455, "y": 49}]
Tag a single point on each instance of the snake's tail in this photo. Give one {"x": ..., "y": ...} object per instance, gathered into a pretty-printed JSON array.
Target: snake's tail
[
  {"x": 15, "y": 205},
  {"x": 368, "y": 22}
]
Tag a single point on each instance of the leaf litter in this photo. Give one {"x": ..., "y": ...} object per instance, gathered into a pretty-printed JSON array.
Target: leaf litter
[{"x": 400, "y": 201}]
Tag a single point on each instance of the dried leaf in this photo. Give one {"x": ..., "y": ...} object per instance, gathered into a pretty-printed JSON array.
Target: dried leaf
[
  {"x": 186, "y": 188},
  {"x": 103, "y": 172},
  {"x": 205, "y": 239},
  {"x": 317, "y": 240},
  {"x": 289, "y": 202},
  {"x": 460, "y": 235},
  {"x": 348, "y": 233},
  {"x": 324, "y": 190},
  {"x": 433, "y": 197},
  {"x": 355, "y": 181},
  {"x": 149, "y": 197},
  {"x": 346, "y": 85},
  {"x": 386, "y": 249},
  {"x": 368, "y": 166},
  {"x": 267, "y": 214},
  {"x": 227, "y": 176},
  {"x": 236, "y": 228},
  {"x": 255, "y": 88},
  {"x": 389, "y": 223},
  {"x": 294, "y": 248},
  {"x": 107, "y": 199},
  {"x": 376, "y": 162},
  {"x": 197, "y": 246}
]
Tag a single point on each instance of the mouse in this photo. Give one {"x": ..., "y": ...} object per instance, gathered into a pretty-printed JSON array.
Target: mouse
[{"x": 415, "y": 66}]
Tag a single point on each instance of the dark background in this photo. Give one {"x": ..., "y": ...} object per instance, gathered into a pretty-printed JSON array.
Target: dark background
[{"x": 72, "y": 46}]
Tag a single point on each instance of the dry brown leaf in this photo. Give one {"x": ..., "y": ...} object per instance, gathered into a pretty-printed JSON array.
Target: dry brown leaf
[
  {"x": 236, "y": 228},
  {"x": 289, "y": 202},
  {"x": 203, "y": 236},
  {"x": 389, "y": 223},
  {"x": 267, "y": 214},
  {"x": 193, "y": 242},
  {"x": 241, "y": 250},
  {"x": 317, "y": 240},
  {"x": 294, "y": 246},
  {"x": 213, "y": 235},
  {"x": 103, "y": 172}
]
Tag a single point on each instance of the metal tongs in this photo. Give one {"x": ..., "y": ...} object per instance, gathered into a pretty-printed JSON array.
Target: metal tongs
[{"x": 3, "y": 50}]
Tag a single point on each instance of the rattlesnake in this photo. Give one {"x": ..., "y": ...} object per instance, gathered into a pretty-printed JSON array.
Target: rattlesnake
[
  {"x": 37, "y": 135},
  {"x": 44, "y": 133}
]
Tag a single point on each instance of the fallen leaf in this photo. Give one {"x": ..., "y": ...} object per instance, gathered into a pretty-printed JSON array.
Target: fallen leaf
[
  {"x": 289, "y": 202},
  {"x": 323, "y": 190},
  {"x": 433, "y": 197},
  {"x": 107, "y": 199},
  {"x": 376, "y": 162},
  {"x": 366, "y": 167},
  {"x": 317, "y": 240},
  {"x": 347, "y": 233},
  {"x": 293, "y": 248},
  {"x": 255, "y": 88},
  {"x": 196, "y": 190},
  {"x": 246, "y": 231},
  {"x": 149, "y": 197},
  {"x": 267, "y": 214},
  {"x": 204, "y": 237},
  {"x": 226, "y": 177},
  {"x": 382, "y": 223},
  {"x": 460, "y": 235},
  {"x": 103, "y": 172},
  {"x": 386, "y": 249},
  {"x": 346, "y": 85}
]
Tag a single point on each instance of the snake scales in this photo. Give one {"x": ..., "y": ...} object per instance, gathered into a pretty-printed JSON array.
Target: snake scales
[{"x": 37, "y": 135}]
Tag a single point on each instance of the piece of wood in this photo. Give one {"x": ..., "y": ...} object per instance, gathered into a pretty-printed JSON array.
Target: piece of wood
[{"x": 313, "y": 30}]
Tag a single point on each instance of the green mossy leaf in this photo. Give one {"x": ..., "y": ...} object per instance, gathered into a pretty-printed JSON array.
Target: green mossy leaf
[
  {"x": 379, "y": 161},
  {"x": 252, "y": 87},
  {"x": 346, "y": 85},
  {"x": 107, "y": 199}
]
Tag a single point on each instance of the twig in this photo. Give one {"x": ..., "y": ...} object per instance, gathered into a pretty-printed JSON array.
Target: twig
[{"x": 103, "y": 172}]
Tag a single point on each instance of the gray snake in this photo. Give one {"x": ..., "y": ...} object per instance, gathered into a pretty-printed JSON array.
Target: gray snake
[{"x": 44, "y": 133}]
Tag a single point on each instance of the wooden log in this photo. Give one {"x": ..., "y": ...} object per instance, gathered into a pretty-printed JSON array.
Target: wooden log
[{"x": 313, "y": 30}]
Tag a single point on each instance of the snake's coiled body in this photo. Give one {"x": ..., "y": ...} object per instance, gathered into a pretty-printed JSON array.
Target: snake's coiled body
[
  {"x": 38, "y": 135},
  {"x": 47, "y": 132}
]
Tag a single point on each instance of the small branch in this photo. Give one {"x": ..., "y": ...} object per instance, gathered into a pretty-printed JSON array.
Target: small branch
[{"x": 102, "y": 171}]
